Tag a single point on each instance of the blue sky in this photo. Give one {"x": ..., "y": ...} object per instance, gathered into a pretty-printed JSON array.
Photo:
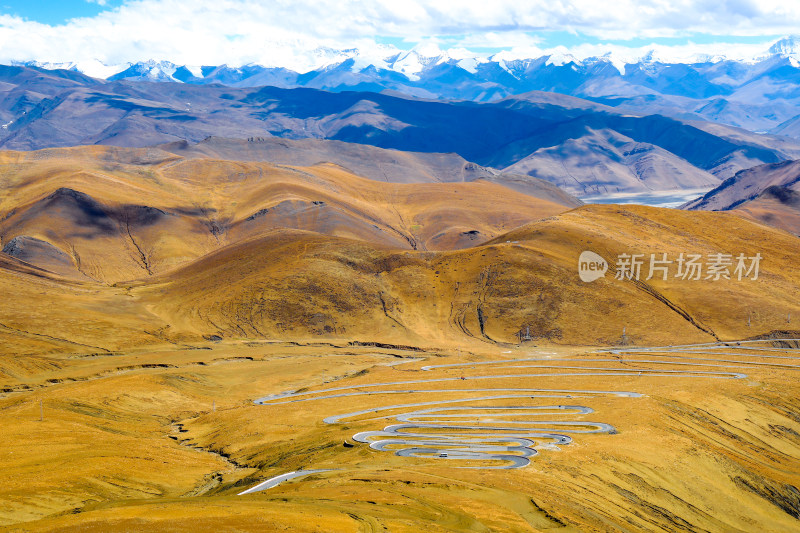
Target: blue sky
[
  {"x": 301, "y": 33},
  {"x": 55, "y": 12}
]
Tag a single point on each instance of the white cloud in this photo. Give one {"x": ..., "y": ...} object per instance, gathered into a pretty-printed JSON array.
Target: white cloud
[{"x": 294, "y": 33}]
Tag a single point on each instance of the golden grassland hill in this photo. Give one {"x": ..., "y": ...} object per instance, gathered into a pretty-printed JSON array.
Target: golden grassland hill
[
  {"x": 119, "y": 262},
  {"x": 294, "y": 284},
  {"x": 164, "y": 438},
  {"x": 380, "y": 164},
  {"x": 109, "y": 214},
  {"x": 43, "y": 313},
  {"x": 111, "y": 248},
  {"x": 777, "y": 206},
  {"x": 767, "y": 193}
]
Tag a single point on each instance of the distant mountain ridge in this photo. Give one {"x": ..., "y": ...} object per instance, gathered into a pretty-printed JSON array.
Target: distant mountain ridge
[
  {"x": 585, "y": 148},
  {"x": 390, "y": 166},
  {"x": 767, "y": 193},
  {"x": 758, "y": 93}
]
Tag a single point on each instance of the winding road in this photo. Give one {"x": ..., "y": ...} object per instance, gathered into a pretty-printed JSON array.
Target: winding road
[{"x": 505, "y": 427}]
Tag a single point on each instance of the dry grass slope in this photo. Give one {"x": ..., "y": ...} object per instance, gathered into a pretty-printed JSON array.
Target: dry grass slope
[
  {"x": 163, "y": 439},
  {"x": 151, "y": 299},
  {"x": 118, "y": 214}
]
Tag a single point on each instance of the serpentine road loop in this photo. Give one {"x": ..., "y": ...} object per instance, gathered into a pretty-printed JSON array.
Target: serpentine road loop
[{"x": 505, "y": 427}]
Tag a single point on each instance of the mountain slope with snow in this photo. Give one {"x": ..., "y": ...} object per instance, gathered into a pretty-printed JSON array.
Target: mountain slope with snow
[{"x": 751, "y": 89}]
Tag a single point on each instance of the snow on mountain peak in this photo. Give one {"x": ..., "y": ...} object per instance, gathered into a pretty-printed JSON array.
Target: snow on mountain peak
[
  {"x": 93, "y": 67},
  {"x": 615, "y": 61},
  {"x": 469, "y": 64},
  {"x": 560, "y": 56},
  {"x": 157, "y": 70},
  {"x": 414, "y": 62},
  {"x": 195, "y": 70},
  {"x": 788, "y": 46},
  {"x": 428, "y": 49}
]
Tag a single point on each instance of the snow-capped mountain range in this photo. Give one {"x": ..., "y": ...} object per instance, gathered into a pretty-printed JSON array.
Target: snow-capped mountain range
[
  {"x": 746, "y": 87},
  {"x": 415, "y": 62}
]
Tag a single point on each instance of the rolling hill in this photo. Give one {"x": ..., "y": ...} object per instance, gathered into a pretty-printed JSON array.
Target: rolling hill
[
  {"x": 152, "y": 294},
  {"x": 527, "y": 277},
  {"x": 583, "y": 147},
  {"x": 110, "y": 214},
  {"x": 316, "y": 251},
  {"x": 768, "y": 193},
  {"x": 391, "y": 166}
]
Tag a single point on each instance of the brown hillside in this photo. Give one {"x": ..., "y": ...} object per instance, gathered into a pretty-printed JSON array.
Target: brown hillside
[
  {"x": 159, "y": 312},
  {"x": 257, "y": 250},
  {"x": 109, "y": 214},
  {"x": 289, "y": 284}
]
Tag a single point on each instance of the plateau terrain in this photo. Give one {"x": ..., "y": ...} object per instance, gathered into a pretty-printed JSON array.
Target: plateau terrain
[
  {"x": 585, "y": 148},
  {"x": 290, "y": 309},
  {"x": 370, "y": 267}
]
